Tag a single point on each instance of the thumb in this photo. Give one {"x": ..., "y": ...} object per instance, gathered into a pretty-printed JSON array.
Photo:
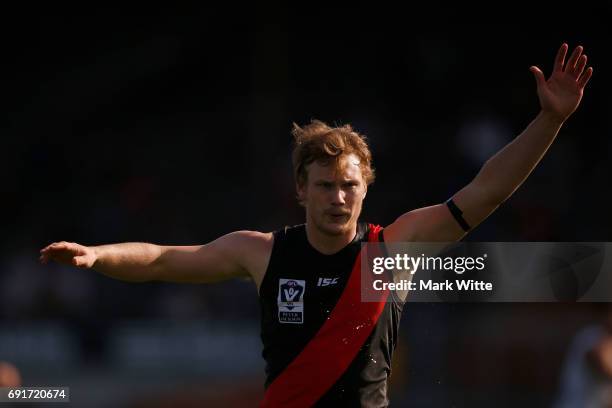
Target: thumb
[
  {"x": 539, "y": 76},
  {"x": 80, "y": 261}
]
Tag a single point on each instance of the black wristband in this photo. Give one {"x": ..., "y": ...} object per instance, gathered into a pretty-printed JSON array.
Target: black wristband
[{"x": 457, "y": 214}]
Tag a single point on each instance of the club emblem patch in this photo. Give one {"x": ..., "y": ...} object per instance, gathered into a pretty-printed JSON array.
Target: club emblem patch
[{"x": 291, "y": 300}]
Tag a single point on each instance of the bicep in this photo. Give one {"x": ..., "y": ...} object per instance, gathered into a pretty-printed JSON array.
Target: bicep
[
  {"x": 219, "y": 260},
  {"x": 436, "y": 223}
]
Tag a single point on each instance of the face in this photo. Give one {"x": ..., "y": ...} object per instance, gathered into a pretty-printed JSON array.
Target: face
[{"x": 333, "y": 197}]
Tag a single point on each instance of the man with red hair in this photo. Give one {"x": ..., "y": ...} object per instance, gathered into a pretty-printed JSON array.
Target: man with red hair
[{"x": 322, "y": 345}]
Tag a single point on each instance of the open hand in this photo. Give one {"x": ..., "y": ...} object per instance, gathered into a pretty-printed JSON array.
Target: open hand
[
  {"x": 560, "y": 95},
  {"x": 69, "y": 253}
]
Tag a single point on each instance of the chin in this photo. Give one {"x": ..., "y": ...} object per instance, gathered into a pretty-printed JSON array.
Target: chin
[{"x": 335, "y": 229}]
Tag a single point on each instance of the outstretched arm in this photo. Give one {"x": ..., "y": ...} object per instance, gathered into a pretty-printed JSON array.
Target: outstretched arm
[
  {"x": 238, "y": 254},
  {"x": 503, "y": 173}
]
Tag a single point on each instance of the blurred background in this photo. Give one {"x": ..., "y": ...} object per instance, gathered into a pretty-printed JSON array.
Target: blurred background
[{"x": 175, "y": 129}]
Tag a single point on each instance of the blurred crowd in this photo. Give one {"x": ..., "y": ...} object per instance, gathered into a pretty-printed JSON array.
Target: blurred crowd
[{"x": 175, "y": 130}]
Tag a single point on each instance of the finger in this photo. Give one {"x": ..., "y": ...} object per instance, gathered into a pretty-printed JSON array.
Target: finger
[
  {"x": 580, "y": 66},
  {"x": 61, "y": 245},
  {"x": 54, "y": 249},
  {"x": 560, "y": 58},
  {"x": 79, "y": 261},
  {"x": 585, "y": 77},
  {"x": 539, "y": 76},
  {"x": 48, "y": 247},
  {"x": 571, "y": 62}
]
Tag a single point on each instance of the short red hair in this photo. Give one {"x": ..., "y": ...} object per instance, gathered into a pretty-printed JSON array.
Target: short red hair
[{"x": 322, "y": 143}]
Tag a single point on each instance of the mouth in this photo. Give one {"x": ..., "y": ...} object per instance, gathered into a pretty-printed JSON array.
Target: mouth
[{"x": 338, "y": 216}]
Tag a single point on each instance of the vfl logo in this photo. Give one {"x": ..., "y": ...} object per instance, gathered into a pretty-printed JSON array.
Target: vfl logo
[
  {"x": 291, "y": 300},
  {"x": 327, "y": 281}
]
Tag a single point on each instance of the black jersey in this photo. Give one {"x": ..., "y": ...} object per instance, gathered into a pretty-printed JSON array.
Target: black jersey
[{"x": 322, "y": 346}]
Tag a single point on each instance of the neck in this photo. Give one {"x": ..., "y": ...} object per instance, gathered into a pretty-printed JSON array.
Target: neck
[{"x": 329, "y": 244}]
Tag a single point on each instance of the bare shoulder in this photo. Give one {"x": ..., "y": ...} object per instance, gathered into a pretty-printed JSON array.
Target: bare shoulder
[
  {"x": 252, "y": 242},
  {"x": 254, "y": 249}
]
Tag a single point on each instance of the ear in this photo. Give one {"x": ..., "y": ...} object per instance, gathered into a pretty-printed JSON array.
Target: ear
[{"x": 365, "y": 191}]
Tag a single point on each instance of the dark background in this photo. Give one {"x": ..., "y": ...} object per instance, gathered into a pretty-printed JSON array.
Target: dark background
[{"x": 175, "y": 129}]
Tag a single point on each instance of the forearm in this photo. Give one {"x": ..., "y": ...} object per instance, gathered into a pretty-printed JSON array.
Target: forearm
[
  {"x": 130, "y": 261},
  {"x": 503, "y": 173}
]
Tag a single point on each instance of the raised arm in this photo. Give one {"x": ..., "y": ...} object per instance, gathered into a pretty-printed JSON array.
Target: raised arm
[
  {"x": 503, "y": 173},
  {"x": 238, "y": 254}
]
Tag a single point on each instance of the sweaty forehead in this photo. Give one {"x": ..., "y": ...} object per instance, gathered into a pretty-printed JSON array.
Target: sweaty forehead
[{"x": 345, "y": 168}]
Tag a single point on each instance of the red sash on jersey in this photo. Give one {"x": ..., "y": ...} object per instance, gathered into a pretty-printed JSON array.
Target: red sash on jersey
[{"x": 329, "y": 353}]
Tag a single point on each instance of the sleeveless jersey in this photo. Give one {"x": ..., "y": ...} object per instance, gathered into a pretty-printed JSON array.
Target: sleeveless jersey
[{"x": 315, "y": 354}]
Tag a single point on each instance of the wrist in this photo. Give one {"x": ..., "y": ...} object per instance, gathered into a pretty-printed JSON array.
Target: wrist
[
  {"x": 96, "y": 255},
  {"x": 552, "y": 118}
]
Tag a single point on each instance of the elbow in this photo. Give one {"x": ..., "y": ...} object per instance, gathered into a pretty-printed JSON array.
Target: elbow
[
  {"x": 155, "y": 270},
  {"x": 496, "y": 198},
  {"x": 493, "y": 187},
  {"x": 490, "y": 194}
]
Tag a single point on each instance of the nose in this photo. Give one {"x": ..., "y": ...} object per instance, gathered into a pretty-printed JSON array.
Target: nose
[{"x": 338, "y": 197}]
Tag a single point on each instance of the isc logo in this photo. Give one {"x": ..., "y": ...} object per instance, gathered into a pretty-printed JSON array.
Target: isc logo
[{"x": 327, "y": 281}]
